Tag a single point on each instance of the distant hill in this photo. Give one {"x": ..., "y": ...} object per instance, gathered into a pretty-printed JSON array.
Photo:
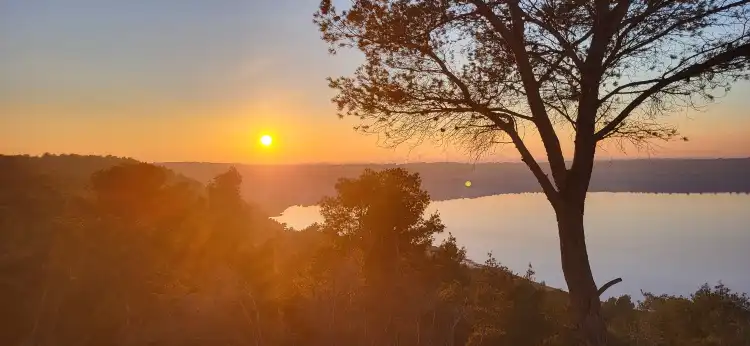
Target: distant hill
[
  {"x": 277, "y": 187},
  {"x": 70, "y": 172}
]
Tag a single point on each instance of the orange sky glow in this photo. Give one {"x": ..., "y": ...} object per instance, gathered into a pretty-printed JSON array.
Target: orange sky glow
[{"x": 86, "y": 80}]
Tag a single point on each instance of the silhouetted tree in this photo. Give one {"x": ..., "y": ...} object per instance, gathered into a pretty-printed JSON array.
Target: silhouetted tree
[
  {"x": 224, "y": 192},
  {"x": 130, "y": 190},
  {"x": 382, "y": 213},
  {"x": 477, "y": 72}
]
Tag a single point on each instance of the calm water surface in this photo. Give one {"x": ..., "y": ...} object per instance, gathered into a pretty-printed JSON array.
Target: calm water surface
[{"x": 656, "y": 242}]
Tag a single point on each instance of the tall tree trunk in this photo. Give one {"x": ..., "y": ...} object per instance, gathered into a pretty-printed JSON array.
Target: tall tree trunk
[{"x": 584, "y": 298}]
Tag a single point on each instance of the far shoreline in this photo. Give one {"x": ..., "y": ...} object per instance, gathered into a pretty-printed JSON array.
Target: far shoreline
[{"x": 277, "y": 214}]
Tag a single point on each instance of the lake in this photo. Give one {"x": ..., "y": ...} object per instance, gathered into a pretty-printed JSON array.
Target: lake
[{"x": 659, "y": 243}]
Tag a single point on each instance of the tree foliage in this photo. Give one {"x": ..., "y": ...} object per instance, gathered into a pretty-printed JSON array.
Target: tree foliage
[{"x": 383, "y": 212}]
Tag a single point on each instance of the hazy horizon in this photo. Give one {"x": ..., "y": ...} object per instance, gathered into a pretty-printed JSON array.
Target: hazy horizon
[
  {"x": 622, "y": 158},
  {"x": 403, "y": 162}
]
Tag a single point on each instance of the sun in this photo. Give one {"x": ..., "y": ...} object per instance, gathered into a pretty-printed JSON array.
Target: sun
[{"x": 266, "y": 140}]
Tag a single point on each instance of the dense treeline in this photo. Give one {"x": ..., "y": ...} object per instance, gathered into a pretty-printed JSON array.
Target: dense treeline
[{"x": 138, "y": 255}]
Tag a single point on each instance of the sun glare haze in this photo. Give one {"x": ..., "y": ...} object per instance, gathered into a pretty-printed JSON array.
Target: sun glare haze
[
  {"x": 266, "y": 140},
  {"x": 382, "y": 172}
]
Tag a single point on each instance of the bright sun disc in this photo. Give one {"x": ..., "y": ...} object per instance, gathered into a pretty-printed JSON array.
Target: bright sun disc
[{"x": 266, "y": 140}]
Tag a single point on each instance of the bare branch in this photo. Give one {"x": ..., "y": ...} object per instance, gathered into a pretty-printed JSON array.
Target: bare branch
[{"x": 608, "y": 285}]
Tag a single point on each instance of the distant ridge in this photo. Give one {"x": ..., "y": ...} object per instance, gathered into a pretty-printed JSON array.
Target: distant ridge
[
  {"x": 69, "y": 171},
  {"x": 277, "y": 187}
]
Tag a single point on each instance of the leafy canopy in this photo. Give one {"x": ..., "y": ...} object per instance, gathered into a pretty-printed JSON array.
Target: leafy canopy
[{"x": 384, "y": 209}]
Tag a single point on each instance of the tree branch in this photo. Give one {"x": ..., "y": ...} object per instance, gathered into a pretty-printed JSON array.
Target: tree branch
[
  {"x": 688, "y": 72},
  {"x": 626, "y": 86},
  {"x": 651, "y": 39},
  {"x": 564, "y": 44},
  {"x": 608, "y": 285},
  {"x": 526, "y": 156},
  {"x": 515, "y": 38},
  {"x": 448, "y": 73}
]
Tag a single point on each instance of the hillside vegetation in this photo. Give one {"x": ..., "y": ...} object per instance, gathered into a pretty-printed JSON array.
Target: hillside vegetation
[{"x": 135, "y": 254}]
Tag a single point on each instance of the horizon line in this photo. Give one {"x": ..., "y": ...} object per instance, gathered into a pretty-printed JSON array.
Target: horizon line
[
  {"x": 354, "y": 163},
  {"x": 357, "y": 163}
]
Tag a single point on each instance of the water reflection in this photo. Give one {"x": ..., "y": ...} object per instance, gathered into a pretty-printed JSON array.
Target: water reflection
[{"x": 655, "y": 242}]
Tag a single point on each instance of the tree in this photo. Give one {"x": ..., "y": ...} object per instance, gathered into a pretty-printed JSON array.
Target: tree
[
  {"x": 143, "y": 193},
  {"x": 384, "y": 214},
  {"x": 224, "y": 191},
  {"x": 379, "y": 221},
  {"x": 478, "y": 72},
  {"x": 710, "y": 316},
  {"x": 129, "y": 190}
]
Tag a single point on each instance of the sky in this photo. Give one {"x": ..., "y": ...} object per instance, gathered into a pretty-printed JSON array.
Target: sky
[{"x": 195, "y": 80}]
